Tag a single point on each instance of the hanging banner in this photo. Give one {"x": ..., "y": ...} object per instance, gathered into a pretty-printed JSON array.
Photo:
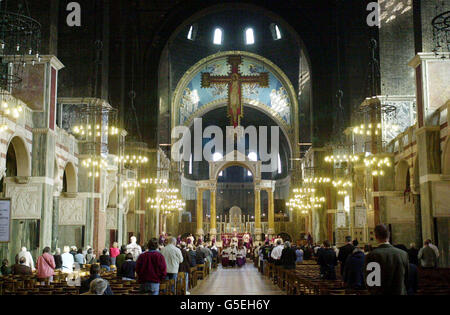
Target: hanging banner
[{"x": 5, "y": 220}]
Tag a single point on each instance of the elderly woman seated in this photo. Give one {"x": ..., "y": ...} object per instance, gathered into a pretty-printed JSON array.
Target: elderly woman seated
[{"x": 97, "y": 287}]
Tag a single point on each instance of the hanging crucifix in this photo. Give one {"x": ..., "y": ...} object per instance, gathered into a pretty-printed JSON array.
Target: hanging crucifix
[{"x": 234, "y": 80}]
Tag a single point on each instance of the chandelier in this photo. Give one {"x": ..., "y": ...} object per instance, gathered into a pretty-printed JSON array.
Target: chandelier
[{"x": 20, "y": 39}]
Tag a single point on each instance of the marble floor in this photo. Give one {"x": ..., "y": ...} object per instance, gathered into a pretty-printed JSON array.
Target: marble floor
[{"x": 236, "y": 281}]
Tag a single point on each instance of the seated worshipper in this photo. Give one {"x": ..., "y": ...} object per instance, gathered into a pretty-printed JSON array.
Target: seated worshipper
[
  {"x": 6, "y": 270},
  {"x": 58, "y": 259},
  {"x": 94, "y": 274},
  {"x": 21, "y": 269},
  {"x": 105, "y": 260},
  {"x": 151, "y": 268},
  {"x": 128, "y": 268},
  {"x": 276, "y": 252},
  {"x": 200, "y": 255},
  {"x": 299, "y": 255},
  {"x": 114, "y": 251},
  {"x": 90, "y": 257},
  {"x": 192, "y": 255},
  {"x": 328, "y": 261},
  {"x": 45, "y": 266},
  {"x": 29, "y": 259},
  {"x": 288, "y": 256},
  {"x": 233, "y": 255},
  {"x": 97, "y": 287},
  {"x": 354, "y": 270},
  {"x": 427, "y": 256},
  {"x": 79, "y": 257},
  {"x": 225, "y": 257},
  {"x": 67, "y": 260},
  {"x": 240, "y": 256},
  {"x": 185, "y": 266}
]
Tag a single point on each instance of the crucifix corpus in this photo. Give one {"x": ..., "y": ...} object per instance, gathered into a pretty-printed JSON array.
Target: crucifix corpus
[{"x": 234, "y": 81}]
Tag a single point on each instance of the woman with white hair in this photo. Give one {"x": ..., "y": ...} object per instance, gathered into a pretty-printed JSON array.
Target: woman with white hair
[
  {"x": 67, "y": 260},
  {"x": 97, "y": 287}
]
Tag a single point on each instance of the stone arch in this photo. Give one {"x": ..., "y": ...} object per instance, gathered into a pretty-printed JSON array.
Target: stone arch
[
  {"x": 70, "y": 180},
  {"x": 401, "y": 173},
  {"x": 446, "y": 157},
  {"x": 22, "y": 156}
]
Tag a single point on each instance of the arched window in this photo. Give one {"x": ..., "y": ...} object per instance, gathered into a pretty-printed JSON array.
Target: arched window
[
  {"x": 275, "y": 30},
  {"x": 192, "y": 33},
  {"x": 218, "y": 36},
  {"x": 279, "y": 164},
  {"x": 249, "y": 36}
]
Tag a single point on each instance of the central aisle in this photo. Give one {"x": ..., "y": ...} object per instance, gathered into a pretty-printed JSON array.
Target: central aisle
[{"x": 236, "y": 281}]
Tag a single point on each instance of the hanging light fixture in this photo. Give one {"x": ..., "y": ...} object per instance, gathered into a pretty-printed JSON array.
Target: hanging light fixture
[{"x": 20, "y": 40}]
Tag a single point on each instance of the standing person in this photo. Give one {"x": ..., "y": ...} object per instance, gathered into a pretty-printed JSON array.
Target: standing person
[
  {"x": 288, "y": 256},
  {"x": 354, "y": 270},
  {"x": 58, "y": 259},
  {"x": 134, "y": 248},
  {"x": 151, "y": 268},
  {"x": 29, "y": 259},
  {"x": 185, "y": 266},
  {"x": 413, "y": 254},
  {"x": 90, "y": 257},
  {"x": 173, "y": 256},
  {"x": 79, "y": 257},
  {"x": 128, "y": 268},
  {"x": 327, "y": 261},
  {"x": 434, "y": 247},
  {"x": 299, "y": 255},
  {"x": 121, "y": 258},
  {"x": 67, "y": 260},
  {"x": 276, "y": 252},
  {"x": 233, "y": 255},
  {"x": 344, "y": 252},
  {"x": 114, "y": 252},
  {"x": 192, "y": 255},
  {"x": 200, "y": 255},
  {"x": 105, "y": 260},
  {"x": 427, "y": 256},
  {"x": 45, "y": 266},
  {"x": 393, "y": 265}
]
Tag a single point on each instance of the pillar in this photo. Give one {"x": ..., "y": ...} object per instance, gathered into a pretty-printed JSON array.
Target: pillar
[
  {"x": 199, "y": 230},
  {"x": 258, "y": 230},
  {"x": 213, "y": 229},
  {"x": 271, "y": 216}
]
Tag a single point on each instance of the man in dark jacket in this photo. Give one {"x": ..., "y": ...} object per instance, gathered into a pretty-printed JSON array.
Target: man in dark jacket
[
  {"x": 327, "y": 261},
  {"x": 288, "y": 256},
  {"x": 21, "y": 268},
  {"x": 185, "y": 266},
  {"x": 354, "y": 270},
  {"x": 200, "y": 256},
  {"x": 393, "y": 266},
  {"x": 344, "y": 252},
  {"x": 413, "y": 252},
  {"x": 128, "y": 268},
  {"x": 151, "y": 268}
]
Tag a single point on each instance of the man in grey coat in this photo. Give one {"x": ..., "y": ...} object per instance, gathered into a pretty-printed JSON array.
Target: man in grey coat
[
  {"x": 427, "y": 256},
  {"x": 393, "y": 266}
]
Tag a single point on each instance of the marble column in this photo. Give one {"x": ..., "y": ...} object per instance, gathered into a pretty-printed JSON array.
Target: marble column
[
  {"x": 199, "y": 230},
  {"x": 213, "y": 229},
  {"x": 258, "y": 230},
  {"x": 271, "y": 216}
]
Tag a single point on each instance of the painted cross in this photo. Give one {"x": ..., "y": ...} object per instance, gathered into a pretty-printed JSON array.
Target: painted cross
[{"x": 234, "y": 80}]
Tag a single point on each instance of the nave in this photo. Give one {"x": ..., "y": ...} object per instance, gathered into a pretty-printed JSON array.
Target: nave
[{"x": 236, "y": 281}]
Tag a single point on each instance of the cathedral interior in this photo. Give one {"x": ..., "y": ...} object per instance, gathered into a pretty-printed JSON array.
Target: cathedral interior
[{"x": 356, "y": 104}]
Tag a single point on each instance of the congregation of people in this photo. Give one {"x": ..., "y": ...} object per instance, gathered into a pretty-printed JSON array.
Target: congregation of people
[{"x": 398, "y": 264}]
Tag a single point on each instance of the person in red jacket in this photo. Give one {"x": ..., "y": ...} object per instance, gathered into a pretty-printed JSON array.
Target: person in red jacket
[
  {"x": 45, "y": 266},
  {"x": 151, "y": 268}
]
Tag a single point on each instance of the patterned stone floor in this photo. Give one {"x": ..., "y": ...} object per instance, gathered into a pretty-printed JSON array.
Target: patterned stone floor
[{"x": 236, "y": 281}]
